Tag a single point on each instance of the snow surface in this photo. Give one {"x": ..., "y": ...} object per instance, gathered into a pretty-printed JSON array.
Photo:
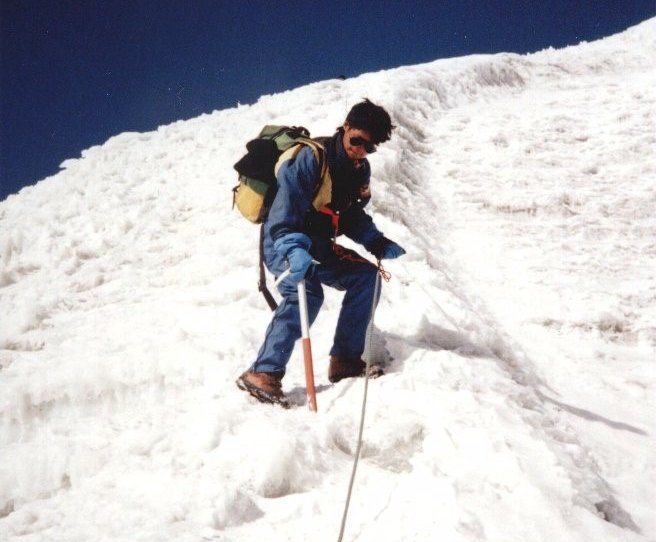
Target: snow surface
[{"x": 519, "y": 330}]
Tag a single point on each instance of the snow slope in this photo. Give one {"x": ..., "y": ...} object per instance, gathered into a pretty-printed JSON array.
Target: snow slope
[{"x": 519, "y": 330}]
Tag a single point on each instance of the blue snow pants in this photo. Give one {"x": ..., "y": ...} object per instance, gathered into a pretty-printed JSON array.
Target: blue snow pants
[{"x": 356, "y": 278}]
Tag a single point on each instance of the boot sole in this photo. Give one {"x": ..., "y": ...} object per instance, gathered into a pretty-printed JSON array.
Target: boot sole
[{"x": 261, "y": 395}]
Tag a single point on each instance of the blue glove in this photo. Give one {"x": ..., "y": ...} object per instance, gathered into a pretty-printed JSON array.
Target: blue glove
[
  {"x": 299, "y": 262},
  {"x": 392, "y": 250},
  {"x": 385, "y": 249},
  {"x": 294, "y": 247}
]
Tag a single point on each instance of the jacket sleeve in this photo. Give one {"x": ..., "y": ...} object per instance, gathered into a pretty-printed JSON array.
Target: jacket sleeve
[
  {"x": 297, "y": 179},
  {"x": 359, "y": 226}
]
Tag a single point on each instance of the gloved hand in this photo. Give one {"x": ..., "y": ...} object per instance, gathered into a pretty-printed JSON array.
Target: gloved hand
[
  {"x": 385, "y": 249},
  {"x": 294, "y": 247},
  {"x": 299, "y": 262}
]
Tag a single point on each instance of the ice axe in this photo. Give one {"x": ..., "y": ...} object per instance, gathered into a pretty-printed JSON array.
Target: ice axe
[{"x": 305, "y": 338}]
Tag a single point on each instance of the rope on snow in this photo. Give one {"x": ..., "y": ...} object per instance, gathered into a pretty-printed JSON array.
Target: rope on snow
[{"x": 367, "y": 359}]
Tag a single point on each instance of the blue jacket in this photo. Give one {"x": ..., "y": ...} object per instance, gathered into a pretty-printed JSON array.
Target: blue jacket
[{"x": 292, "y": 213}]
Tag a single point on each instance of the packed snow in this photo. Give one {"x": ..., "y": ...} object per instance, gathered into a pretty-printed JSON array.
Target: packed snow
[{"x": 519, "y": 331}]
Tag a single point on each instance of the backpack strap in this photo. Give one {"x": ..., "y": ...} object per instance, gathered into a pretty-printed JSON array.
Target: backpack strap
[
  {"x": 323, "y": 191},
  {"x": 261, "y": 285}
]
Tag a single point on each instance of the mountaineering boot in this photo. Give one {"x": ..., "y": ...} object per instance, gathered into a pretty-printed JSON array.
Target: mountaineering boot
[
  {"x": 341, "y": 367},
  {"x": 265, "y": 387}
]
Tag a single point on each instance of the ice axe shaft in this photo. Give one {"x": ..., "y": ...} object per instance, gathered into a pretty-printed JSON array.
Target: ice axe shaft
[
  {"x": 307, "y": 347},
  {"x": 305, "y": 338}
]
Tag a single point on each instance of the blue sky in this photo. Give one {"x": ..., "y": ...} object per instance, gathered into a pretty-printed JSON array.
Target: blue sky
[{"x": 75, "y": 72}]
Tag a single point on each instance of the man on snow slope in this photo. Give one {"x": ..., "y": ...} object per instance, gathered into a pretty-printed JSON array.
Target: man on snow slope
[{"x": 296, "y": 234}]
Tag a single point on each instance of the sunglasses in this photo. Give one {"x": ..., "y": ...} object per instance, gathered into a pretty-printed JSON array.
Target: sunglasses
[{"x": 357, "y": 141}]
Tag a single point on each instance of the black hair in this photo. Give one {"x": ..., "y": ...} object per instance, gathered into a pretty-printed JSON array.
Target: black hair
[{"x": 368, "y": 116}]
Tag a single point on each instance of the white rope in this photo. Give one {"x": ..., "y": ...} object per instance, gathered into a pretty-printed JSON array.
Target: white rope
[{"x": 367, "y": 357}]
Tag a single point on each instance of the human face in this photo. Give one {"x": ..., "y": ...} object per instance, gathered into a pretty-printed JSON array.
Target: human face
[{"x": 355, "y": 152}]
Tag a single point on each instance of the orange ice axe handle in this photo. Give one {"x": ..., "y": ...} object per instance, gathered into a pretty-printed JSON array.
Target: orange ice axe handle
[{"x": 307, "y": 347}]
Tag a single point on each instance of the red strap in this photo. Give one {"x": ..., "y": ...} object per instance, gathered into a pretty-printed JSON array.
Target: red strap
[
  {"x": 345, "y": 254},
  {"x": 334, "y": 218},
  {"x": 349, "y": 256}
]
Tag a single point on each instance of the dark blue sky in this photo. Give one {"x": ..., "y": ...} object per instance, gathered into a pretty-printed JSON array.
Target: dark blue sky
[{"x": 75, "y": 72}]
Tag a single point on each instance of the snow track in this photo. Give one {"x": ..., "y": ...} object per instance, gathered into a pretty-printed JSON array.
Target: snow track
[{"x": 518, "y": 330}]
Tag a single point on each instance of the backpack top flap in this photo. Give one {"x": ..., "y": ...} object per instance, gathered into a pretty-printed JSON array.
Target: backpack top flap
[{"x": 256, "y": 163}]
